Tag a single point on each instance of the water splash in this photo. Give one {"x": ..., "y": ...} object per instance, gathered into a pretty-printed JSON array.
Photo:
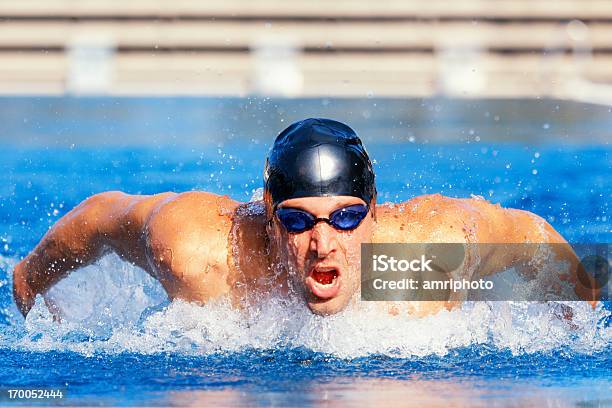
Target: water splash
[{"x": 114, "y": 307}]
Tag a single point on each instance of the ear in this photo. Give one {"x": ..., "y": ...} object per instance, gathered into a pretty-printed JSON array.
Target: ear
[
  {"x": 273, "y": 231},
  {"x": 373, "y": 208}
]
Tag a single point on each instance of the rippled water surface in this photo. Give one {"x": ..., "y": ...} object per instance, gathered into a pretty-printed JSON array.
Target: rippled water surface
[{"x": 122, "y": 343}]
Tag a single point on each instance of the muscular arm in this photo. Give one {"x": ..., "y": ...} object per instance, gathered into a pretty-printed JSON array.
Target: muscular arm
[
  {"x": 527, "y": 237},
  {"x": 511, "y": 226},
  {"x": 107, "y": 221},
  {"x": 435, "y": 218}
]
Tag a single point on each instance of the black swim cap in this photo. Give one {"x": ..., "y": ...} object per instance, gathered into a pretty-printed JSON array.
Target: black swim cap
[{"x": 317, "y": 158}]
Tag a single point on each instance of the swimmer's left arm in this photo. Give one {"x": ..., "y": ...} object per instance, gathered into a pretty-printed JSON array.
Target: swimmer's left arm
[
  {"x": 511, "y": 226},
  {"x": 438, "y": 219}
]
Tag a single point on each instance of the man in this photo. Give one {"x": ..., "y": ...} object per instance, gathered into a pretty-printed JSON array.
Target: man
[{"x": 304, "y": 238}]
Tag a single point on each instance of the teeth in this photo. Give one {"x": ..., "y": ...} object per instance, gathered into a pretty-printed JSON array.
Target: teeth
[{"x": 326, "y": 277}]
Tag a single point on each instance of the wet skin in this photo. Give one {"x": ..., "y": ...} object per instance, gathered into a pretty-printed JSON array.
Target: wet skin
[
  {"x": 202, "y": 246},
  {"x": 323, "y": 254}
]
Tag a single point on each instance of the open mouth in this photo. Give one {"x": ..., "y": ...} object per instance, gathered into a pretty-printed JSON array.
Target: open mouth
[
  {"x": 325, "y": 277},
  {"x": 324, "y": 282}
]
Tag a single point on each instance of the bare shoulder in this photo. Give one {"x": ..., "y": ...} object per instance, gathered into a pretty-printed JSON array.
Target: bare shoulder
[
  {"x": 436, "y": 218},
  {"x": 191, "y": 219},
  {"x": 193, "y": 205},
  {"x": 187, "y": 243}
]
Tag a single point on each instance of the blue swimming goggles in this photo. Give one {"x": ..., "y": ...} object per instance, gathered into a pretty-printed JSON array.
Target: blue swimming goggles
[{"x": 344, "y": 219}]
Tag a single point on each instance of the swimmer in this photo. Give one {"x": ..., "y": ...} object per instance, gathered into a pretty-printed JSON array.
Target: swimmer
[{"x": 303, "y": 239}]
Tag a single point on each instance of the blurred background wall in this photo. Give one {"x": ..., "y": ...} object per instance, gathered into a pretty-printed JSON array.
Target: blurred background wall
[
  {"x": 175, "y": 71},
  {"x": 458, "y": 48}
]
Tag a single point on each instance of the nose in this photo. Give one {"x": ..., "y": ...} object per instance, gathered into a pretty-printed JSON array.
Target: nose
[{"x": 323, "y": 239}]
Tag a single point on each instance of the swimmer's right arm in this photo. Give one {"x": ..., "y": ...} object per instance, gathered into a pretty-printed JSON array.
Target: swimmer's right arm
[{"x": 104, "y": 222}]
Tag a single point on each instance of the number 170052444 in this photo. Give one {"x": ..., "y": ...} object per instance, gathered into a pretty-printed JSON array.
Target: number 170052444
[{"x": 32, "y": 393}]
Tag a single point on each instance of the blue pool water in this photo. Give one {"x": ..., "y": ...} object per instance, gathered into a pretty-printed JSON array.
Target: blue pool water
[{"x": 122, "y": 343}]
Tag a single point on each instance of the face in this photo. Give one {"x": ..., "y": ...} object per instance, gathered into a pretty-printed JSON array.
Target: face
[{"x": 323, "y": 262}]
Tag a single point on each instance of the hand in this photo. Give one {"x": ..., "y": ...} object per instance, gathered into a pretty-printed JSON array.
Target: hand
[
  {"x": 55, "y": 310},
  {"x": 22, "y": 292}
]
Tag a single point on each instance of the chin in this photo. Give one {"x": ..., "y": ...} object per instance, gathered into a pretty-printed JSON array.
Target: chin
[
  {"x": 328, "y": 306},
  {"x": 326, "y": 288}
]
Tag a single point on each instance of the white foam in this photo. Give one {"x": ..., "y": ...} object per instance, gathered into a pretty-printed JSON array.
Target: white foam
[
  {"x": 258, "y": 194},
  {"x": 114, "y": 307}
]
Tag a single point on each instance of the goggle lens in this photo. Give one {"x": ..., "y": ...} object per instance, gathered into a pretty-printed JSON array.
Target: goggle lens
[
  {"x": 348, "y": 218},
  {"x": 295, "y": 220}
]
